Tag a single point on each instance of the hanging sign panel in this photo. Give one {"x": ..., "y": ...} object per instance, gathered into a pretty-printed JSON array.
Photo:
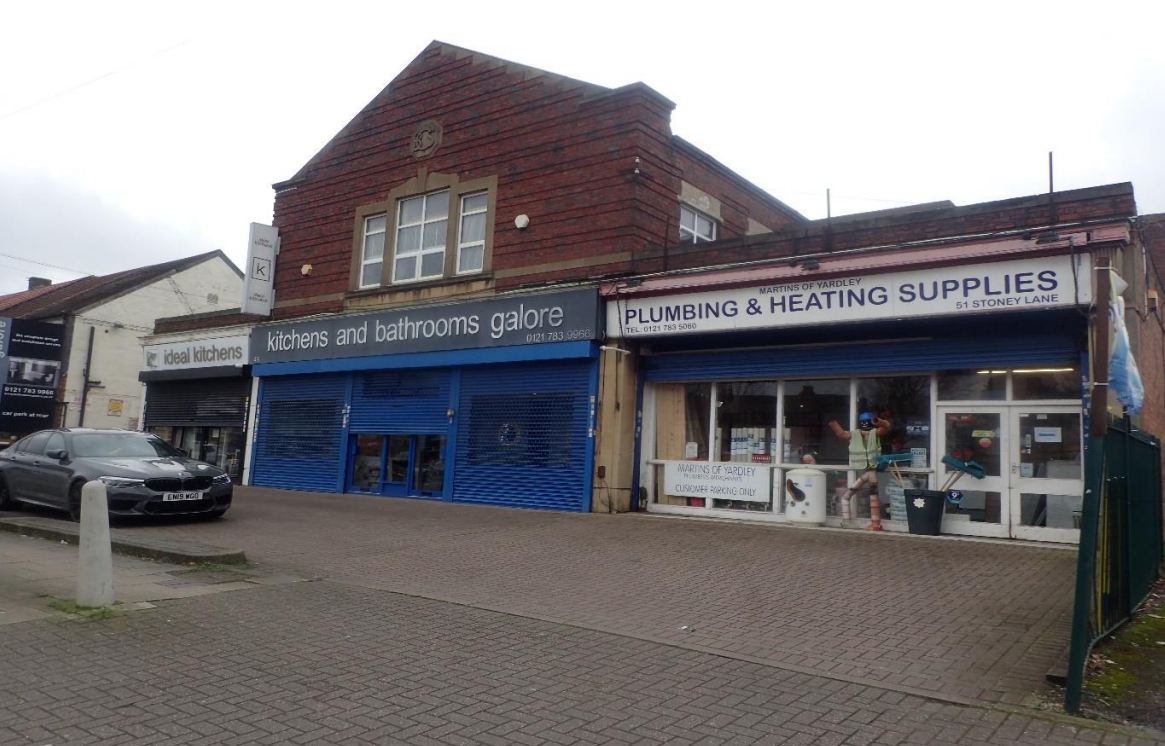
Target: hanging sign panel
[
  {"x": 1044, "y": 282},
  {"x": 30, "y": 372},
  {"x": 259, "y": 281}
]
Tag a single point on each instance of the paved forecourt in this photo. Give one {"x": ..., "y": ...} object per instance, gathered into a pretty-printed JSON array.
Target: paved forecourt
[{"x": 965, "y": 619}]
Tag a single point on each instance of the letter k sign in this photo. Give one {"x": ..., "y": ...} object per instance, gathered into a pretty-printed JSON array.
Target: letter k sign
[{"x": 261, "y": 269}]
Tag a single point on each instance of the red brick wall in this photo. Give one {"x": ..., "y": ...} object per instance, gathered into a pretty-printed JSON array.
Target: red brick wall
[
  {"x": 564, "y": 154},
  {"x": 737, "y": 204},
  {"x": 1112, "y": 202}
]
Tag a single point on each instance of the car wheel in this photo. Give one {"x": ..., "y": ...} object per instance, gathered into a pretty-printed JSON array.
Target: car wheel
[
  {"x": 75, "y": 502},
  {"x": 7, "y": 501}
]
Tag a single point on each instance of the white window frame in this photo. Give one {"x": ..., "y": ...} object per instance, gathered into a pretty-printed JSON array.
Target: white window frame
[
  {"x": 364, "y": 260},
  {"x": 422, "y": 252},
  {"x": 696, "y": 215},
  {"x": 461, "y": 215}
]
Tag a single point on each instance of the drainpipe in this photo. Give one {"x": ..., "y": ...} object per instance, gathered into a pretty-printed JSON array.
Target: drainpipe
[{"x": 85, "y": 382}]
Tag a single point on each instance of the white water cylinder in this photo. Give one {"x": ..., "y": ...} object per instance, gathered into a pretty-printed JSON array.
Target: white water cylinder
[{"x": 804, "y": 491}]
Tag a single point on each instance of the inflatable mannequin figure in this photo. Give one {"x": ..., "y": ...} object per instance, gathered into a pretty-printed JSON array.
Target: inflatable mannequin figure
[{"x": 865, "y": 446}]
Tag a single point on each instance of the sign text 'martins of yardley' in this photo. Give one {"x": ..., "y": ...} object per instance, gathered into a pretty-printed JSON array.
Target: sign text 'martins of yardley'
[
  {"x": 1046, "y": 282},
  {"x": 202, "y": 353},
  {"x": 567, "y": 316}
]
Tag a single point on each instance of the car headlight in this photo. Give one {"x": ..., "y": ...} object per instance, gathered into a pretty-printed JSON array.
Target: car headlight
[
  {"x": 120, "y": 482},
  {"x": 222, "y": 479}
]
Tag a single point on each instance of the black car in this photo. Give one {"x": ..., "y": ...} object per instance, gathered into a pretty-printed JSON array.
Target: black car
[{"x": 143, "y": 474}]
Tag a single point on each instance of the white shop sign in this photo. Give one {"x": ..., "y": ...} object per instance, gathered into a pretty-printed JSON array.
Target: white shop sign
[
  {"x": 1045, "y": 282},
  {"x": 716, "y": 481},
  {"x": 202, "y": 353}
]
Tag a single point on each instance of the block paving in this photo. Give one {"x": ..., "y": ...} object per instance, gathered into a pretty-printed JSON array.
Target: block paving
[
  {"x": 332, "y": 663},
  {"x": 970, "y": 620}
]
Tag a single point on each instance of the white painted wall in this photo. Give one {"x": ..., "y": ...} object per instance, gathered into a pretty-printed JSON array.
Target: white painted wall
[{"x": 120, "y": 325}]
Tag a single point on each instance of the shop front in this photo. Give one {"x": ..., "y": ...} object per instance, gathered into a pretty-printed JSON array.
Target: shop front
[
  {"x": 756, "y": 397},
  {"x": 198, "y": 393},
  {"x": 489, "y": 401}
]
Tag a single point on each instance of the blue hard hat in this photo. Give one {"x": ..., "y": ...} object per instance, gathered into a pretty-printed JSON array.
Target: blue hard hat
[{"x": 866, "y": 417}]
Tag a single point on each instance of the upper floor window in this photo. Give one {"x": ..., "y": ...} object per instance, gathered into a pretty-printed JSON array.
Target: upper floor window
[
  {"x": 696, "y": 226},
  {"x": 432, "y": 227},
  {"x": 422, "y": 227},
  {"x": 372, "y": 256},
  {"x": 471, "y": 244}
]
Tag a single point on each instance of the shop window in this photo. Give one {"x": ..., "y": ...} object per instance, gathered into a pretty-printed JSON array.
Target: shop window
[
  {"x": 522, "y": 430},
  {"x": 433, "y": 227},
  {"x": 1049, "y": 446},
  {"x": 809, "y": 408},
  {"x": 746, "y": 421},
  {"x": 972, "y": 385},
  {"x": 1046, "y": 383},
  {"x": 904, "y": 402},
  {"x": 395, "y": 385},
  {"x": 696, "y": 227},
  {"x": 293, "y": 429},
  {"x": 681, "y": 419}
]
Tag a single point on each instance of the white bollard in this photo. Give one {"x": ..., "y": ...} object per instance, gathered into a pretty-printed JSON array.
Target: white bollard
[{"x": 95, "y": 565}]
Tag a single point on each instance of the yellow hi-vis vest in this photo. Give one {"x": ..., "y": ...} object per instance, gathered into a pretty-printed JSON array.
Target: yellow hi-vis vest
[{"x": 863, "y": 453}]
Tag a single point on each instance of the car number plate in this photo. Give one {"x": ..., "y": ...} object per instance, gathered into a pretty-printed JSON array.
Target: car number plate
[{"x": 175, "y": 496}]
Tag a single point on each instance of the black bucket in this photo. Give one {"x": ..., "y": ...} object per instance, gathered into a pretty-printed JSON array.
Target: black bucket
[{"x": 925, "y": 519}]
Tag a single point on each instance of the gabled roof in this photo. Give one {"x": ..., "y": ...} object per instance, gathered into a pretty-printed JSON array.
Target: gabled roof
[
  {"x": 78, "y": 295},
  {"x": 15, "y": 299},
  {"x": 527, "y": 72}
]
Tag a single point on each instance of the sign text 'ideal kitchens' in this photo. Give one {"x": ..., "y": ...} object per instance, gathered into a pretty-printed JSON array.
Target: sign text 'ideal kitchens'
[
  {"x": 528, "y": 319},
  {"x": 1046, "y": 282},
  {"x": 203, "y": 353}
]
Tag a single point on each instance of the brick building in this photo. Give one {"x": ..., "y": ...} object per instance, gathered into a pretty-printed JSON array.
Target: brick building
[
  {"x": 428, "y": 233},
  {"x": 956, "y": 331},
  {"x": 503, "y": 286}
]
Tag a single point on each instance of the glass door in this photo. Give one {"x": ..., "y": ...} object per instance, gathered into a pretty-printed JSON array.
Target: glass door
[
  {"x": 1047, "y": 472},
  {"x": 980, "y": 434},
  {"x": 367, "y": 463},
  {"x": 397, "y": 465}
]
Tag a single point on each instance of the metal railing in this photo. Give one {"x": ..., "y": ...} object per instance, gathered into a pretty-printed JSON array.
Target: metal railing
[{"x": 1121, "y": 547}]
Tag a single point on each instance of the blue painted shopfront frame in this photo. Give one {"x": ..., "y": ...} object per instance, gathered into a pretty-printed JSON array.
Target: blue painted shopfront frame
[
  {"x": 837, "y": 358},
  {"x": 451, "y": 364}
]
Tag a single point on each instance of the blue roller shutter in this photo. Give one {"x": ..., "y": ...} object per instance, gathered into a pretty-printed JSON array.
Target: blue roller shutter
[
  {"x": 400, "y": 401},
  {"x": 858, "y": 358},
  {"x": 299, "y": 434},
  {"x": 522, "y": 436}
]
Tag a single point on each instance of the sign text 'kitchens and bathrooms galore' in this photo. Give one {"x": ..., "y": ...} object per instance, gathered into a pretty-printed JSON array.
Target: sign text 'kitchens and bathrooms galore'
[
  {"x": 568, "y": 316},
  {"x": 1045, "y": 282}
]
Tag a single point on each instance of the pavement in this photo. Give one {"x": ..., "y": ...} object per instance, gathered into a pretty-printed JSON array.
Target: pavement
[
  {"x": 35, "y": 572},
  {"x": 555, "y": 629},
  {"x": 970, "y": 620}
]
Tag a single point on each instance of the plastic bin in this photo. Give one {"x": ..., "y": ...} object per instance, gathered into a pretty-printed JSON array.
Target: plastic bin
[{"x": 924, "y": 511}]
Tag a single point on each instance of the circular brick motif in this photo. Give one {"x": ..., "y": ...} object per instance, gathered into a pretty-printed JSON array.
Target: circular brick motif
[{"x": 426, "y": 139}]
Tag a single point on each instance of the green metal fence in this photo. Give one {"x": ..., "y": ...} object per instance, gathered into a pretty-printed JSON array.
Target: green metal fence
[{"x": 1120, "y": 540}]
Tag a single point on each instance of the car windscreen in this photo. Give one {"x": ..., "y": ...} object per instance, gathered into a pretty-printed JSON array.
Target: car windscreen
[{"x": 119, "y": 445}]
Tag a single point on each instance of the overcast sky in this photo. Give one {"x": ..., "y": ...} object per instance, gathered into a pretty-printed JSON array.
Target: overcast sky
[{"x": 135, "y": 133}]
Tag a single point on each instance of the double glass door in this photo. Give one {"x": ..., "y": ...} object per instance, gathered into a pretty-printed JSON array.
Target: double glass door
[
  {"x": 1033, "y": 459},
  {"x": 397, "y": 465}
]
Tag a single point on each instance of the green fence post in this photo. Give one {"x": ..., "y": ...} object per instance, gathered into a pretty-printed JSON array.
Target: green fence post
[{"x": 1085, "y": 574}]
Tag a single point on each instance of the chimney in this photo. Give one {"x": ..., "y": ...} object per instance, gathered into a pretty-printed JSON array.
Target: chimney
[{"x": 38, "y": 282}]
